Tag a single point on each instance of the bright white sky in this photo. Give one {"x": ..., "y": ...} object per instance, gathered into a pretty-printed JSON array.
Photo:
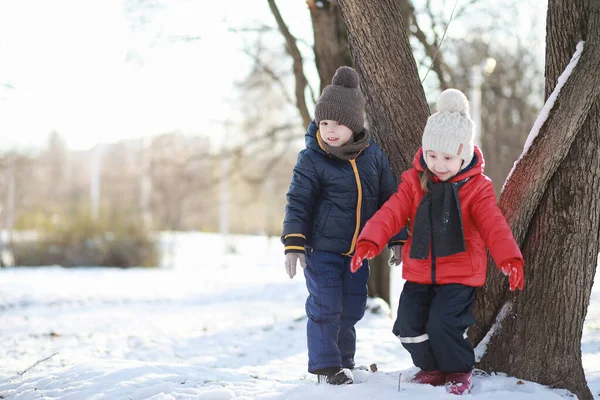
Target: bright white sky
[
  {"x": 211, "y": 328},
  {"x": 81, "y": 68},
  {"x": 91, "y": 71}
]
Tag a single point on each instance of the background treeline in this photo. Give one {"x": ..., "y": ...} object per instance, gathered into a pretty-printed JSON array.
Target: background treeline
[{"x": 103, "y": 206}]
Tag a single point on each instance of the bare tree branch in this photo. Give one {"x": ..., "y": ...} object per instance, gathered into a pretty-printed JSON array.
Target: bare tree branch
[
  {"x": 292, "y": 49},
  {"x": 257, "y": 60},
  {"x": 460, "y": 11},
  {"x": 431, "y": 49},
  {"x": 439, "y": 44},
  {"x": 273, "y": 161}
]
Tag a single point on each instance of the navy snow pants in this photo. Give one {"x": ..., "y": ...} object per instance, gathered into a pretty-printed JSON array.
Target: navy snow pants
[
  {"x": 336, "y": 302},
  {"x": 432, "y": 325}
]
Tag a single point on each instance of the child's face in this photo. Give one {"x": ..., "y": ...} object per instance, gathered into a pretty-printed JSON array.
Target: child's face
[
  {"x": 334, "y": 133},
  {"x": 443, "y": 165}
]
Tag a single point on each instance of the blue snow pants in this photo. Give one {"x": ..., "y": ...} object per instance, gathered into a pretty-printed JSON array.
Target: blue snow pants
[
  {"x": 432, "y": 325},
  {"x": 335, "y": 303}
]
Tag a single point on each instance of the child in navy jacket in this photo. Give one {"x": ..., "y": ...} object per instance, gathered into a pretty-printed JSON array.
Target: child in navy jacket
[{"x": 340, "y": 180}]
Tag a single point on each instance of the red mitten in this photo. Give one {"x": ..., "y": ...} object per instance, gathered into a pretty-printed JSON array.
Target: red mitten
[
  {"x": 514, "y": 270},
  {"x": 364, "y": 249}
]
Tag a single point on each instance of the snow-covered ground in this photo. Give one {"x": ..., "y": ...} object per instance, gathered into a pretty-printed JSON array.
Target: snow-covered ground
[{"x": 212, "y": 327}]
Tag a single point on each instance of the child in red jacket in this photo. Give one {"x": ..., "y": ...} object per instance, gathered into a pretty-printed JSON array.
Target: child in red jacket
[{"x": 452, "y": 212}]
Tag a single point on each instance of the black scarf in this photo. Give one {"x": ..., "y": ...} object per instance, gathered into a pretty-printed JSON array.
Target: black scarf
[{"x": 439, "y": 222}]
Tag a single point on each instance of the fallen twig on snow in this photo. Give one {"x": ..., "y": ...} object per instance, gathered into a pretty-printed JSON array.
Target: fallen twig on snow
[{"x": 36, "y": 363}]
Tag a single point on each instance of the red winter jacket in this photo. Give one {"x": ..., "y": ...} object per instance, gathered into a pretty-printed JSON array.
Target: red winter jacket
[{"x": 483, "y": 225}]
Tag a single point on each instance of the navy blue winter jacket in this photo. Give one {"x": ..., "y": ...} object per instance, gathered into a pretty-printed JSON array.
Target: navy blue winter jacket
[{"x": 330, "y": 200}]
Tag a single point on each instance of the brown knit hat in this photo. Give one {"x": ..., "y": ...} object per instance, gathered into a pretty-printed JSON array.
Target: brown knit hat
[{"x": 342, "y": 101}]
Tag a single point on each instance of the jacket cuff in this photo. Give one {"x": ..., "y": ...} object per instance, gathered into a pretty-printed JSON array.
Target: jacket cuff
[
  {"x": 393, "y": 243},
  {"x": 399, "y": 239},
  {"x": 517, "y": 262},
  {"x": 294, "y": 243}
]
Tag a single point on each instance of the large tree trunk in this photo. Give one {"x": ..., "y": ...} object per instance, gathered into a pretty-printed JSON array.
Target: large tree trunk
[
  {"x": 396, "y": 103},
  {"x": 330, "y": 39},
  {"x": 331, "y": 52},
  {"x": 552, "y": 204},
  {"x": 379, "y": 279}
]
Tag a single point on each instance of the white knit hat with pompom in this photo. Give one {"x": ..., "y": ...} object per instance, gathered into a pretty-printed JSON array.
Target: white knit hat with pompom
[{"x": 450, "y": 130}]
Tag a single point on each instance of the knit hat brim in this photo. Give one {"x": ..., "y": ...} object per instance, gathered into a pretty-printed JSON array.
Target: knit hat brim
[
  {"x": 455, "y": 139},
  {"x": 342, "y": 101},
  {"x": 326, "y": 110}
]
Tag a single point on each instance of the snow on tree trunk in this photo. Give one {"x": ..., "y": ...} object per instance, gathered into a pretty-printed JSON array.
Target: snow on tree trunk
[{"x": 551, "y": 202}]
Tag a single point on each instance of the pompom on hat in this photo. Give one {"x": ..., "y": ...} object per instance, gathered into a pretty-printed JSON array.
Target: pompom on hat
[
  {"x": 451, "y": 130},
  {"x": 342, "y": 101}
]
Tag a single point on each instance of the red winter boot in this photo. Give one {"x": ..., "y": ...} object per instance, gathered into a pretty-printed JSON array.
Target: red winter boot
[
  {"x": 434, "y": 378},
  {"x": 459, "y": 383}
]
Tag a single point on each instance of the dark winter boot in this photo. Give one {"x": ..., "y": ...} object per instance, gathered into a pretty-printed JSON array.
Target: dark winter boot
[
  {"x": 459, "y": 383},
  {"x": 433, "y": 378},
  {"x": 335, "y": 376}
]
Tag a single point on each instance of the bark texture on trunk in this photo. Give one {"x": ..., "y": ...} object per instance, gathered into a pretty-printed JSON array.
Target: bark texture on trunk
[
  {"x": 396, "y": 103},
  {"x": 379, "y": 280},
  {"x": 330, "y": 39},
  {"x": 396, "y": 106},
  {"x": 551, "y": 202},
  {"x": 540, "y": 340},
  {"x": 529, "y": 182}
]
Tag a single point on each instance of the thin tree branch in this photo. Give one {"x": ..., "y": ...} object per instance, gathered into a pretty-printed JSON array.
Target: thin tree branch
[
  {"x": 292, "y": 49},
  {"x": 36, "y": 363},
  {"x": 459, "y": 12},
  {"x": 273, "y": 161},
  {"x": 433, "y": 60},
  {"x": 271, "y": 74},
  {"x": 431, "y": 49}
]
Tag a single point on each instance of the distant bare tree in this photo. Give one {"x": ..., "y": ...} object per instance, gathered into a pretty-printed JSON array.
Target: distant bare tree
[
  {"x": 511, "y": 96},
  {"x": 182, "y": 181}
]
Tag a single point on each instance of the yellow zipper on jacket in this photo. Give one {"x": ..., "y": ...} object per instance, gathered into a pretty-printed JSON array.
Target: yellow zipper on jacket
[
  {"x": 358, "y": 186},
  {"x": 358, "y": 206}
]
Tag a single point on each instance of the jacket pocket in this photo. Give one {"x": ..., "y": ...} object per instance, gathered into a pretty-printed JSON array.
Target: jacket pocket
[
  {"x": 321, "y": 218},
  {"x": 477, "y": 254}
]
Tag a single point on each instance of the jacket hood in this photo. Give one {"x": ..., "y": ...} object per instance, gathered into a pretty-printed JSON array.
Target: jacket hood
[
  {"x": 475, "y": 167},
  {"x": 310, "y": 138}
]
